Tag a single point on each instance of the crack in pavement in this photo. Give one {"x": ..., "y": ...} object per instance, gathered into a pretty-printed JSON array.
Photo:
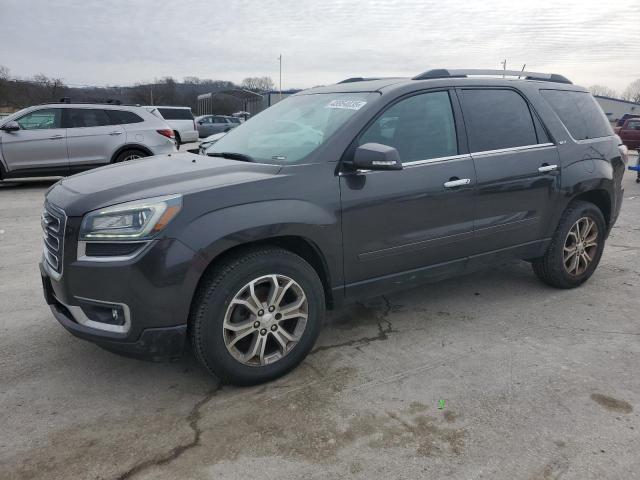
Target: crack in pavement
[
  {"x": 382, "y": 331},
  {"x": 194, "y": 417}
]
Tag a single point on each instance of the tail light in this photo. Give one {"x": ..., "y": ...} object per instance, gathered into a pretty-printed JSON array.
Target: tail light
[
  {"x": 166, "y": 132},
  {"x": 194, "y": 124},
  {"x": 624, "y": 153}
]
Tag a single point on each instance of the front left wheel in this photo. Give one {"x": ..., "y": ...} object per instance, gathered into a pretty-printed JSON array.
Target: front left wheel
[{"x": 257, "y": 315}]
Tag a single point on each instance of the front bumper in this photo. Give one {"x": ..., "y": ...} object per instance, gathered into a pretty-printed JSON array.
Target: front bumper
[{"x": 154, "y": 289}]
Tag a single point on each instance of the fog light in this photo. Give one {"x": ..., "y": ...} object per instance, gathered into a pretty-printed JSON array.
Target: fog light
[{"x": 111, "y": 314}]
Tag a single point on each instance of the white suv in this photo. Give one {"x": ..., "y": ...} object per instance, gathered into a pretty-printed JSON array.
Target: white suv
[
  {"x": 181, "y": 120},
  {"x": 66, "y": 138}
]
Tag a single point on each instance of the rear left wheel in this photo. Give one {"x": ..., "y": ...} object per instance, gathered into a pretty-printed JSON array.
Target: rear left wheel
[
  {"x": 257, "y": 315},
  {"x": 575, "y": 249},
  {"x": 128, "y": 155}
]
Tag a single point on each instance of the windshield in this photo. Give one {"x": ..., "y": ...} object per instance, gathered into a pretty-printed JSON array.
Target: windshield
[{"x": 291, "y": 129}]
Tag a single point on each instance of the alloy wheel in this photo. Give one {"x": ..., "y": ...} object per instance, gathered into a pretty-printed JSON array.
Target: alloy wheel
[
  {"x": 265, "y": 320},
  {"x": 580, "y": 246},
  {"x": 132, "y": 156}
]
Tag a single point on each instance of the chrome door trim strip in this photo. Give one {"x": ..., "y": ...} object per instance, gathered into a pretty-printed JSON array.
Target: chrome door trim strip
[{"x": 522, "y": 148}]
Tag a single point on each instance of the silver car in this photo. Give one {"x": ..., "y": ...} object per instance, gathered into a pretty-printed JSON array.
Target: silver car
[
  {"x": 211, "y": 124},
  {"x": 64, "y": 138}
]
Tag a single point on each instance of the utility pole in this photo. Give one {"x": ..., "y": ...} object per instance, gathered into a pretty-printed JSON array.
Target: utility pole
[
  {"x": 504, "y": 65},
  {"x": 280, "y": 60}
]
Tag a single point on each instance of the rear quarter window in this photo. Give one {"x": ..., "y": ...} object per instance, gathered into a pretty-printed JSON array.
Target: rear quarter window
[
  {"x": 579, "y": 112},
  {"x": 176, "y": 113},
  {"x": 123, "y": 117}
]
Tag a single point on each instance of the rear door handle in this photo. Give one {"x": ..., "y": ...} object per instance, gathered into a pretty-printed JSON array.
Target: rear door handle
[
  {"x": 547, "y": 168},
  {"x": 56, "y": 137},
  {"x": 458, "y": 182},
  {"x": 116, "y": 133}
]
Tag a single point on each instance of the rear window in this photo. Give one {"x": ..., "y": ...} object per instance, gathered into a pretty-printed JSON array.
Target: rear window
[
  {"x": 176, "y": 113},
  {"x": 579, "y": 112},
  {"x": 122, "y": 117},
  {"x": 498, "y": 119}
]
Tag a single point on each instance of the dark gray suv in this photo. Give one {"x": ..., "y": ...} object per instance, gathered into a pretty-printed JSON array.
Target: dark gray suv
[{"x": 331, "y": 195}]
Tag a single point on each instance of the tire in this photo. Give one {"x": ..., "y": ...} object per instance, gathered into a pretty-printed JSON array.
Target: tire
[
  {"x": 552, "y": 268},
  {"x": 213, "y": 311},
  {"x": 178, "y": 141},
  {"x": 130, "y": 154}
]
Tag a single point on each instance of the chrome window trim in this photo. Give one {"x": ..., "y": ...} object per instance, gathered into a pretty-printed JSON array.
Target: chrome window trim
[
  {"x": 512, "y": 149},
  {"x": 462, "y": 156},
  {"x": 83, "y": 257},
  {"x": 436, "y": 160},
  {"x": 80, "y": 317}
]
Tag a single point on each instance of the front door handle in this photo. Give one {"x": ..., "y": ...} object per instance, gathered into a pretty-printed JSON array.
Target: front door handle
[
  {"x": 547, "y": 168},
  {"x": 457, "y": 182},
  {"x": 116, "y": 133},
  {"x": 56, "y": 137}
]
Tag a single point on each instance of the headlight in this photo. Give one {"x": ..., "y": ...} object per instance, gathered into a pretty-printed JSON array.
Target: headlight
[{"x": 139, "y": 220}]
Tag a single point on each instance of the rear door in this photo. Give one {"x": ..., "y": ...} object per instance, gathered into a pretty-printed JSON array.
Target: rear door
[
  {"x": 220, "y": 125},
  {"x": 517, "y": 168},
  {"x": 402, "y": 226},
  {"x": 40, "y": 144},
  {"x": 91, "y": 137}
]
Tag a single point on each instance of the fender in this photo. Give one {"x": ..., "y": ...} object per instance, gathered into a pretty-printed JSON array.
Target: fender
[
  {"x": 581, "y": 177},
  {"x": 217, "y": 231}
]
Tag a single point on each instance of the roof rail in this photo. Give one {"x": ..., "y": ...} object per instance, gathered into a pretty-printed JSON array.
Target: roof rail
[
  {"x": 67, "y": 100},
  {"x": 461, "y": 73},
  {"x": 358, "y": 79}
]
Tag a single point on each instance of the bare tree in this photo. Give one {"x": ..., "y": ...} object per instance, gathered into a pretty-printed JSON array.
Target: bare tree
[
  {"x": 4, "y": 73},
  {"x": 632, "y": 92},
  {"x": 258, "y": 84},
  {"x": 602, "y": 90}
]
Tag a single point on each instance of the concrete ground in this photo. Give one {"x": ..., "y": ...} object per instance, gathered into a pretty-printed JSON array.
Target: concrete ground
[{"x": 537, "y": 383}]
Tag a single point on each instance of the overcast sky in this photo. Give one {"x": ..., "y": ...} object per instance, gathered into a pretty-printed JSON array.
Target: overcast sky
[{"x": 322, "y": 41}]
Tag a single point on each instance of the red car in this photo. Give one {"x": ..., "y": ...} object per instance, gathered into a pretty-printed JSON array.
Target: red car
[{"x": 630, "y": 133}]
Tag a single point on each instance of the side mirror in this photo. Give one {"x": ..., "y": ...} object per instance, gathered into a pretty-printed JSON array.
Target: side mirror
[
  {"x": 200, "y": 122},
  {"x": 10, "y": 126},
  {"x": 375, "y": 156}
]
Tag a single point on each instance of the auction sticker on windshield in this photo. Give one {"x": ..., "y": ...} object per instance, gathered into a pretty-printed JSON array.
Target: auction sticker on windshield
[{"x": 346, "y": 104}]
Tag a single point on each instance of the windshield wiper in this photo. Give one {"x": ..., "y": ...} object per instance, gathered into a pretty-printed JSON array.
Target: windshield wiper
[{"x": 233, "y": 156}]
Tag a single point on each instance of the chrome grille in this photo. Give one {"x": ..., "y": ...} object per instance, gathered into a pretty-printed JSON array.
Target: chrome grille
[{"x": 53, "y": 223}]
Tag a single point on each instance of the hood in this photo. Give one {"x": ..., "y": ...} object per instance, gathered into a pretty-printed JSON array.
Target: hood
[{"x": 150, "y": 177}]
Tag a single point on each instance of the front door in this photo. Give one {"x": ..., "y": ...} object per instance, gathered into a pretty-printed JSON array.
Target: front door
[
  {"x": 404, "y": 226},
  {"x": 517, "y": 169},
  {"x": 39, "y": 145}
]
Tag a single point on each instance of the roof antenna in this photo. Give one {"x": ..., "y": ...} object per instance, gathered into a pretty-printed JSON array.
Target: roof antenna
[{"x": 522, "y": 69}]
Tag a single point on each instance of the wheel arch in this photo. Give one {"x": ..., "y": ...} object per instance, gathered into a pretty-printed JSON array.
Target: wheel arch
[
  {"x": 601, "y": 198},
  {"x": 304, "y": 247},
  {"x": 130, "y": 146}
]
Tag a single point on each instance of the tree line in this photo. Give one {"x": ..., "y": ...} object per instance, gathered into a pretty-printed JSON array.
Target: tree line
[
  {"x": 16, "y": 93},
  {"x": 631, "y": 93}
]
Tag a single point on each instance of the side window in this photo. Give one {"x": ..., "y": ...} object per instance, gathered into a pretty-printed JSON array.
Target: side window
[
  {"x": 419, "y": 127},
  {"x": 633, "y": 125},
  {"x": 86, "y": 117},
  {"x": 219, "y": 120},
  {"x": 579, "y": 112},
  {"x": 497, "y": 119},
  {"x": 122, "y": 117},
  {"x": 41, "y": 119},
  {"x": 176, "y": 113}
]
